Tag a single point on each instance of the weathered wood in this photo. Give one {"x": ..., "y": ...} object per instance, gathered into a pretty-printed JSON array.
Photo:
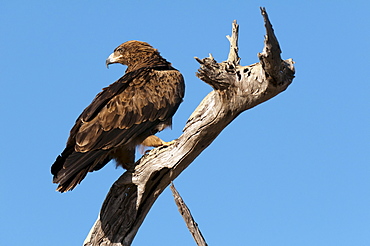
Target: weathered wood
[
  {"x": 236, "y": 89},
  {"x": 188, "y": 218},
  {"x": 233, "y": 40}
]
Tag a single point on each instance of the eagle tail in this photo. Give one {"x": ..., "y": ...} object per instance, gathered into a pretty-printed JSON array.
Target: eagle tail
[{"x": 71, "y": 167}]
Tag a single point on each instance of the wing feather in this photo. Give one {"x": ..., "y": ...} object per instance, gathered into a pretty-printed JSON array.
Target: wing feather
[{"x": 148, "y": 99}]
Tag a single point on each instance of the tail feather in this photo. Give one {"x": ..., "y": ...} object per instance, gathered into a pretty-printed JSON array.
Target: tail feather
[{"x": 71, "y": 167}]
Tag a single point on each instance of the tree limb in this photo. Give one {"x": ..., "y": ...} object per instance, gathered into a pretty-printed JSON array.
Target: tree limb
[
  {"x": 233, "y": 54},
  {"x": 188, "y": 218},
  {"x": 236, "y": 89}
]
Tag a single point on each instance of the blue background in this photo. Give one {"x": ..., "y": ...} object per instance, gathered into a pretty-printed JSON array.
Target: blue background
[{"x": 292, "y": 171}]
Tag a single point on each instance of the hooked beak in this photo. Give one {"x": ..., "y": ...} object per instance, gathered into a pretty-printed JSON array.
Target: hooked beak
[{"x": 111, "y": 59}]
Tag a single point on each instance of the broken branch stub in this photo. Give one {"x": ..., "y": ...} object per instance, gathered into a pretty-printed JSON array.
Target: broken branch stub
[
  {"x": 236, "y": 89},
  {"x": 188, "y": 218}
]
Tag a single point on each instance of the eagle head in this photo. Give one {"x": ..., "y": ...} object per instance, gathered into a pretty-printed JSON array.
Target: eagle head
[{"x": 134, "y": 53}]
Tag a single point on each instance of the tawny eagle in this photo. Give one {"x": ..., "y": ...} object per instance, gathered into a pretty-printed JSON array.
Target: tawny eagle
[{"x": 123, "y": 115}]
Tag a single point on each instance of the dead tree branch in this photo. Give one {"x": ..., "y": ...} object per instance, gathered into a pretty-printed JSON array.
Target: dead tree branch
[
  {"x": 188, "y": 218},
  {"x": 236, "y": 89}
]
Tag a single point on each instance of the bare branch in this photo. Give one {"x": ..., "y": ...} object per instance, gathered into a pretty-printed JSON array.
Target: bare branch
[
  {"x": 236, "y": 89},
  {"x": 270, "y": 57},
  {"x": 188, "y": 218},
  {"x": 233, "y": 54}
]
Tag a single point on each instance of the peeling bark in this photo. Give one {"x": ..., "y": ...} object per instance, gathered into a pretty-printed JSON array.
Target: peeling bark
[{"x": 236, "y": 89}]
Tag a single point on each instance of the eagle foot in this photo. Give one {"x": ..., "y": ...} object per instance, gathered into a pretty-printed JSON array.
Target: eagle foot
[{"x": 154, "y": 141}]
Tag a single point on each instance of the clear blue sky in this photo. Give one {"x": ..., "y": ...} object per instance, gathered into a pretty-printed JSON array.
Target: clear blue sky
[{"x": 292, "y": 171}]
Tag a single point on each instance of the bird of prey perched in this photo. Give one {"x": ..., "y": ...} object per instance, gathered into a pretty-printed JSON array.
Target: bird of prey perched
[{"x": 123, "y": 115}]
